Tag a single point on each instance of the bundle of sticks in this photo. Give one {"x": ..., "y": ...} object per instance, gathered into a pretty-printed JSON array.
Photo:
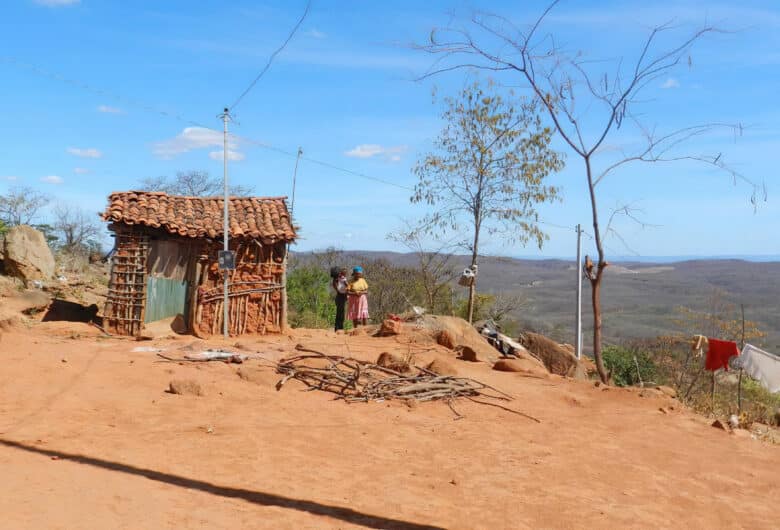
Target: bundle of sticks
[{"x": 355, "y": 380}]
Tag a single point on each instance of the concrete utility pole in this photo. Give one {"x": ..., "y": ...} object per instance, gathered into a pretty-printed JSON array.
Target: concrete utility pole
[
  {"x": 578, "y": 270},
  {"x": 226, "y": 225}
]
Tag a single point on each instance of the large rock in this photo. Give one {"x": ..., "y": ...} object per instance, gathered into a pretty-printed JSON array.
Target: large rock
[
  {"x": 26, "y": 254},
  {"x": 558, "y": 359},
  {"x": 523, "y": 366},
  {"x": 457, "y": 334}
]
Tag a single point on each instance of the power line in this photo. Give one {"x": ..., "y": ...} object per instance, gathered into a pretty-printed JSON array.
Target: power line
[
  {"x": 266, "y": 145},
  {"x": 147, "y": 107},
  {"x": 272, "y": 57}
]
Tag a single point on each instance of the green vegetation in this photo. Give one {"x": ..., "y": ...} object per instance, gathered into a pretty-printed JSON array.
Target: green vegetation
[
  {"x": 309, "y": 299},
  {"x": 487, "y": 172},
  {"x": 629, "y": 366}
]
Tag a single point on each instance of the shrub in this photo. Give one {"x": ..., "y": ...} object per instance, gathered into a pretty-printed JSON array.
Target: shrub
[{"x": 622, "y": 362}]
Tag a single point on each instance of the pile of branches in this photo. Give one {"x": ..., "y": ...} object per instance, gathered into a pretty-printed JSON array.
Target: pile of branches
[{"x": 354, "y": 380}]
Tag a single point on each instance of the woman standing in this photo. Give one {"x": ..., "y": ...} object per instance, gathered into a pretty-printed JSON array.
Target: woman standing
[
  {"x": 340, "y": 286},
  {"x": 357, "y": 292}
]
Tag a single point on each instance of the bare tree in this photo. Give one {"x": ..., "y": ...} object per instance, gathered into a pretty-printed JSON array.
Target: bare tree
[
  {"x": 586, "y": 105},
  {"x": 435, "y": 264},
  {"x": 504, "y": 304},
  {"x": 488, "y": 169},
  {"x": 20, "y": 206},
  {"x": 192, "y": 184},
  {"x": 76, "y": 229}
]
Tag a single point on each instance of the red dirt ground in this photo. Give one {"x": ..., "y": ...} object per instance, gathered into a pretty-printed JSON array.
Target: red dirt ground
[{"x": 90, "y": 439}]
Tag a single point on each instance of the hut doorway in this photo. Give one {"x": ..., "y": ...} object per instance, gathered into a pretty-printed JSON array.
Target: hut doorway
[
  {"x": 169, "y": 267},
  {"x": 165, "y": 298}
]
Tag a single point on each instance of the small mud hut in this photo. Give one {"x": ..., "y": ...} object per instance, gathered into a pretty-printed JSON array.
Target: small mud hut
[{"x": 165, "y": 264}]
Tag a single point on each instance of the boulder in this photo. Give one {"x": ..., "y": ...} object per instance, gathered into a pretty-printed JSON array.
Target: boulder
[
  {"x": 524, "y": 366},
  {"x": 389, "y": 328},
  {"x": 467, "y": 353},
  {"x": 442, "y": 367},
  {"x": 393, "y": 362},
  {"x": 27, "y": 256},
  {"x": 558, "y": 359},
  {"x": 185, "y": 387},
  {"x": 459, "y": 334},
  {"x": 444, "y": 338}
]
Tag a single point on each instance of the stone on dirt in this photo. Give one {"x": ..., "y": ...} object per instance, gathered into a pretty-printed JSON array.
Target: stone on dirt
[
  {"x": 467, "y": 353},
  {"x": 444, "y": 338},
  {"x": 525, "y": 366},
  {"x": 393, "y": 362},
  {"x": 390, "y": 327},
  {"x": 461, "y": 334},
  {"x": 442, "y": 367},
  {"x": 185, "y": 387},
  {"x": 557, "y": 359},
  {"x": 27, "y": 256},
  {"x": 667, "y": 390}
]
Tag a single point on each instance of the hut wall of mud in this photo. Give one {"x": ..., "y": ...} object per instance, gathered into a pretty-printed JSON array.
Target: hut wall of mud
[{"x": 155, "y": 274}]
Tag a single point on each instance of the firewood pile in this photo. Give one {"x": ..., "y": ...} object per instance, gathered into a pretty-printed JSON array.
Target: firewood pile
[{"x": 354, "y": 380}]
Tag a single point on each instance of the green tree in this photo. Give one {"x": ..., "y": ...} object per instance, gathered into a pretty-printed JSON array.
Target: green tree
[
  {"x": 309, "y": 299},
  {"x": 488, "y": 171}
]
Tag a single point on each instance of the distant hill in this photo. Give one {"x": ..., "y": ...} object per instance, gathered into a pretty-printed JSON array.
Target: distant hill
[{"x": 639, "y": 298}]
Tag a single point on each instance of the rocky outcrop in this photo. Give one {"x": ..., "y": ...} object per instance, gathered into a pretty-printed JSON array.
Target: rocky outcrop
[{"x": 26, "y": 255}]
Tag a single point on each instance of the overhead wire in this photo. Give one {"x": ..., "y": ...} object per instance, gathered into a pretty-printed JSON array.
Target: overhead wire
[
  {"x": 273, "y": 56},
  {"x": 147, "y": 107},
  {"x": 237, "y": 137}
]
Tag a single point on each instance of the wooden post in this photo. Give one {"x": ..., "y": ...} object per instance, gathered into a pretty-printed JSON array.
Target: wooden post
[
  {"x": 283, "y": 309},
  {"x": 712, "y": 392}
]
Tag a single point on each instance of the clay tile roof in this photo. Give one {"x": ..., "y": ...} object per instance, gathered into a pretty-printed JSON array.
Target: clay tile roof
[{"x": 265, "y": 218}]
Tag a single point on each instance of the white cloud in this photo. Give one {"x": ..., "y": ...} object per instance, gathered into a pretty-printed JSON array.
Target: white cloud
[
  {"x": 232, "y": 155},
  {"x": 10, "y": 178},
  {"x": 89, "y": 152},
  {"x": 316, "y": 34},
  {"x": 109, "y": 110},
  {"x": 392, "y": 153},
  {"x": 80, "y": 170},
  {"x": 52, "y": 179},
  {"x": 671, "y": 83},
  {"x": 192, "y": 138},
  {"x": 57, "y": 3}
]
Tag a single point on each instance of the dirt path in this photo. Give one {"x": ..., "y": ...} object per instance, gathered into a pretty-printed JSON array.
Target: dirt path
[{"x": 90, "y": 439}]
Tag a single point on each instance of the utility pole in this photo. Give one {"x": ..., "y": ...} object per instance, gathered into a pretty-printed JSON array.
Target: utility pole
[
  {"x": 578, "y": 270},
  {"x": 295, "y": 176},
  {"x": 226, "y": 225}
]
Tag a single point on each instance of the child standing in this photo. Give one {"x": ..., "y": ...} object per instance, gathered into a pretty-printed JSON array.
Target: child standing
[{"x": 357, "y": 292}]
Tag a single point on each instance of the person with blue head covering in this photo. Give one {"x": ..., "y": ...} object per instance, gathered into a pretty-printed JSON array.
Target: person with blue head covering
[{"x": 357, "y": 293}]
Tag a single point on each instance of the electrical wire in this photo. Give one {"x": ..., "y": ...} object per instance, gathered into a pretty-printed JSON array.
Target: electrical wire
[
  {"x": 176, "y": 116},
  {"x": 273, "y": 56},
  {"x": 241, "y": 138}
]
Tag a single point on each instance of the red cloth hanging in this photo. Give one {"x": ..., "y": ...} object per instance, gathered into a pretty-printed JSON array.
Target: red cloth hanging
[{"x": 719, "y": 353}]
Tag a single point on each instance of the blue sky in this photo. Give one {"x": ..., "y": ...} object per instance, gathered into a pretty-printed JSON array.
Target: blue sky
[{"x": 99, "y": 94}]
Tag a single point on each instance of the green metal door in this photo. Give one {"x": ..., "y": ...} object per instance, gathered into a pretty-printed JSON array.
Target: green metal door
[{"x": 165, "y": 298}]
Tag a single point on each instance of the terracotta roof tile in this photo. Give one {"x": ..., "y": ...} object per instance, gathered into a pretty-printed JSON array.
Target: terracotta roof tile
[{"x": 265, "y": 218}]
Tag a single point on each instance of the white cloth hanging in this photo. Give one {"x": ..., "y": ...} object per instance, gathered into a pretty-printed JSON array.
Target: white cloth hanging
[{"x": 762, "y": 366}]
